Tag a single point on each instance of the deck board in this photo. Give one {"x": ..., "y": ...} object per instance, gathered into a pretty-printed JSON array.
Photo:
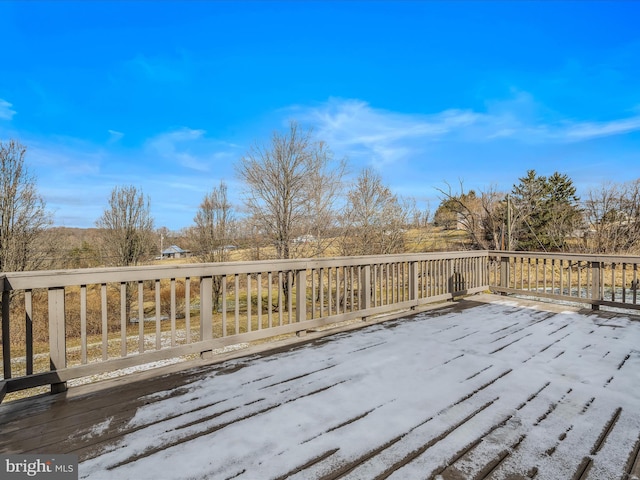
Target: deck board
[{"x": 483, "y": 388}]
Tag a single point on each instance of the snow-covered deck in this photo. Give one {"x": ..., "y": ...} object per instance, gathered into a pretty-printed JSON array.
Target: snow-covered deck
[{"x": 483, "y": 388}]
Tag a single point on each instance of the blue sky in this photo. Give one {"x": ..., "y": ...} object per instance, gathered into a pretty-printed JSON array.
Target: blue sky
[{"x": 168, "y": 96}]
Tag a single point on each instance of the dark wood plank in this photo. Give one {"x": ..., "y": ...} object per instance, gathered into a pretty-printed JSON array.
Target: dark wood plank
[{"x": 88, "y": 421}]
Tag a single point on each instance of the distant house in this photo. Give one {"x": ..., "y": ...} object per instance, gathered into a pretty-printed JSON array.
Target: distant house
[
  {"x": 304, "y": 239},
  {"x": 175, "y": 251},
  {"x": 226, "y": 248}
]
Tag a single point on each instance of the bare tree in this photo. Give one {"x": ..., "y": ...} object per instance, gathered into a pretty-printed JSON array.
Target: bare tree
[
  {"x": 421, "y": 216},
  {"x": 324, "y": 190},
  {"x": 23, "y": 215},
  {"x": 481, "y": 216},
  {"x": 127, "y": 227},
  {"x": 214, "y": 225},
  {"x": 292, "y": 187},
  {"x": 127, "y": 232},
  {"x": 612, "y": 214},
  {"x": 374, "y": 219},
  {"x": 213, "y": 232},
  {"x": 422, "y": 235}
]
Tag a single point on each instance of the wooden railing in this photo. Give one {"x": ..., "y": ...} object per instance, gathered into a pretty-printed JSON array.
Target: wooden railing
[
  {"x": 66, "y": 324},
  {"x": 598, "y": 280},
  {"x": 102, "y": 320}
]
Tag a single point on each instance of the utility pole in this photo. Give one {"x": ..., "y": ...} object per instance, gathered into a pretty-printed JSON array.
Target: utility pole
[{"x": 508, "y": 223}]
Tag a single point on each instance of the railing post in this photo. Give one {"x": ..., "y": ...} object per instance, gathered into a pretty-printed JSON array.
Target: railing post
[
  {"x": 140, "y": 286},
  {"x": 6, "y": 340},
  {"x": 484, "y": 271},
  {"x": 448, "y": 276},
  {"x": 57, "y": 335},
  {"x": 504, "y": 273},
  {"x": 413, "y": 283},
  {"x": 301, "y": 298},
  {"x": 596, "y": 293},
  {"x": 451, "y": 277},
  {"x": 365, "y": 289},
  {"x": 206, "y": 308}
]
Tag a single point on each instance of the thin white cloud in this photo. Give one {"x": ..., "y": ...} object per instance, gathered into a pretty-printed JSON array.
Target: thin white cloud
[
  {"x": 523, "y": 118},
  {"x": 76, "y": 176},
  {"x": 503, "y": 133},
  {"x": 160, "y": 69},
  {"x": 190, "y": 148},
  {"x": 589, "y": 130},
  {"x": 174, "y": 146},
  {"x": 566, "y": 131},
  {"x": 175, "y": 136},
  {"x": 6, "y": 113},
  {"x": 354, "y": 121},
  {"x": 115, "y": 136},
  {"x": 356, "y": 129},
  {"x": 65, "y": 160}
]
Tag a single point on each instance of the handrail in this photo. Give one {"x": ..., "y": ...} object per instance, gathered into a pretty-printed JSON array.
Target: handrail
[
  {"x": 599, "y": 257},
  {"x": 68, "y": 277}
]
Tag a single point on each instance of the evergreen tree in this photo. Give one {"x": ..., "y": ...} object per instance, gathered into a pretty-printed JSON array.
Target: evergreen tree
[
  {"x": 545, "y": 211},
  {"x": 564, "y": 215}
]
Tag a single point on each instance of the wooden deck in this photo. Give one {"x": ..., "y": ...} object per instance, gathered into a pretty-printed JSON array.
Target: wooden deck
[{"x": 482, "y": 388}]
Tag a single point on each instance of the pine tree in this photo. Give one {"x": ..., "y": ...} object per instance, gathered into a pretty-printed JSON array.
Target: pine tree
[{"x": 545, "y": 211}]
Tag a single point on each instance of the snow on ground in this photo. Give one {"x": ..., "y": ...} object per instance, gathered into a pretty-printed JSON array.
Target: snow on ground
[
  {"x": 149, "y": 366},
  {"x": 401, "y": 399}
]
